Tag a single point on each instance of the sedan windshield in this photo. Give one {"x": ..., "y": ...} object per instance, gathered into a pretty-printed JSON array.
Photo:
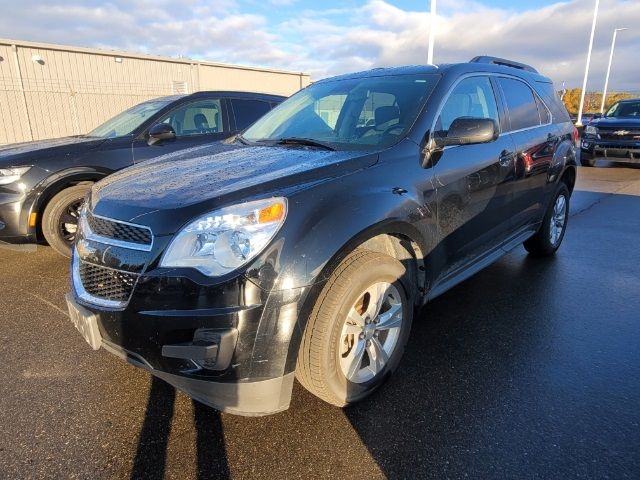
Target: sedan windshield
[
  {"x": 126, "y": 122},
  {"x": 354, "y": 113},
  {"x": 624, "y": 109}
]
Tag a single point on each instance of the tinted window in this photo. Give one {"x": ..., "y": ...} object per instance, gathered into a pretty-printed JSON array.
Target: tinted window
[
  {"x": 197, "y": 118},
  {"x": 472, "y": 97},
  {"x": 523, "y": 110},
  {"x": 248, "y": 111}
]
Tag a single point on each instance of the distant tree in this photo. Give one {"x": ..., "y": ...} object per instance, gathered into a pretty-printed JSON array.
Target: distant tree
[{"x": 592, "y": 100}]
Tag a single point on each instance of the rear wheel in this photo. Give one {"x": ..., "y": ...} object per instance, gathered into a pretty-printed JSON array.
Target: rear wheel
[
  {"x": 357, "y": 331},
  {"x": 549, "y": 237},
  {"x": 60, "y": 218}
]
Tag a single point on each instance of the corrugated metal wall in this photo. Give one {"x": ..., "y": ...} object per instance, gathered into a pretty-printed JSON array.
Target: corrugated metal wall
[{"x": 49, "y": 91}]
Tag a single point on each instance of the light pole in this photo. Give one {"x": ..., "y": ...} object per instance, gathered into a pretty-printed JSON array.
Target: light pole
[
  {"x": 432, "y": 28},
  {"x": 606, "y": 82},
  {"x": 586, "y": 70}
]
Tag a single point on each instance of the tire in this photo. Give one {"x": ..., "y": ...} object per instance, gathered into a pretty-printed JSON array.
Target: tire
[
  {"x": 548, "y": 239},
  {"x": 329, "y": 347},
  {"x": 61, "y": 212},
  {"x": 587, "y": 160}
]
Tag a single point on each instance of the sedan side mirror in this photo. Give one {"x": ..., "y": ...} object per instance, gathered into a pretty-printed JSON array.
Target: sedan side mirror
[
  {"x": 467, "y": 131},
  {"x": 161, "y": 132}
]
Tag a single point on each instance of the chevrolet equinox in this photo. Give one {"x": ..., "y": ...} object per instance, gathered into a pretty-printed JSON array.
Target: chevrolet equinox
[{"x": 302, "y": 247}]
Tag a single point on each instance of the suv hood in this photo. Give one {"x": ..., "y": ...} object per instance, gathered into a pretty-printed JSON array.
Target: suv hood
[
  {"x": 28, "y": 153},
  {"x": 612, "y": 122},
  {"x": 169, "y": 191}
]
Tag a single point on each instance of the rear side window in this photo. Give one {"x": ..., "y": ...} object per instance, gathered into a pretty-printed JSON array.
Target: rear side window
[
  {"x": 545, "y": 116},
  {"x": 523, "y": 110},
  {"x": 248, "y": 111},
  {"x": 472, "y": 97}
]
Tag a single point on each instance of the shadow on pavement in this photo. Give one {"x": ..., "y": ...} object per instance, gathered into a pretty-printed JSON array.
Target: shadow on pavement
[{"x": 150, "y": 461}]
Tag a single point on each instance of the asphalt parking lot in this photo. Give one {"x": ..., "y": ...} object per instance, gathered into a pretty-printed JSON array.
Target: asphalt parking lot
[{"x": 530, "y": 369}]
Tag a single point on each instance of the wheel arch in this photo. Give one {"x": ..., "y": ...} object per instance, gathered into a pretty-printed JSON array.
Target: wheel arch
[{"x": 57, "y": 183}]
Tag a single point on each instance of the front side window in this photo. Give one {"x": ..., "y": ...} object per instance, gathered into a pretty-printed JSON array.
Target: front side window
[
  {"x": 126, "y": 122},
  {"x": 472, "y": 98},
  {"x": 197, "y": 118},
  {"x": 521, "y": 104},
  {"x": 353, "y": 113}
]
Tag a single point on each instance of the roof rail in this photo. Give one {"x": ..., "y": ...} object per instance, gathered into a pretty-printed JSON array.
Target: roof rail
[{"x": 503, "y": 62}]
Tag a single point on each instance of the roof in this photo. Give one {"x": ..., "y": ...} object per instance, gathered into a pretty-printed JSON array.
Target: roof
[{"x": 442, "y": 69}]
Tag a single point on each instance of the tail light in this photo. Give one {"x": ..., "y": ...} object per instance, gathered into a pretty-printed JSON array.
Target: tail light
[{"x": 576, "y": 137}]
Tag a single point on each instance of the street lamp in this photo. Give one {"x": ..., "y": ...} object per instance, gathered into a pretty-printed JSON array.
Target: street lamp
[
  {"x": 586, "y": 70},
  {"x": 606, "y": 82},
  {"x": 432, "y": 28}
]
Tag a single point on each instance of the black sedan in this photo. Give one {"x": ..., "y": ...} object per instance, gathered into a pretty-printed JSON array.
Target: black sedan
[{"x": 43, "y": 183}]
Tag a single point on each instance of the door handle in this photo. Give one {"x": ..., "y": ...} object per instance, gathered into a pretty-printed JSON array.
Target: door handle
[{"x": 506, "y": 158}]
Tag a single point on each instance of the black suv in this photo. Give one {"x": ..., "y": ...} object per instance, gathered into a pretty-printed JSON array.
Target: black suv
[
  {"x": 42, "y": 183},
  {"x": 302, "y": 247},
  {"x": 614, "y": 136}
]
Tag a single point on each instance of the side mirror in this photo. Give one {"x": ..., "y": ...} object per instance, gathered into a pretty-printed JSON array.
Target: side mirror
[
  {"x": 467, "y": 130},
  {"x": 161, "y": 132},
  {"x": 596, "y": 115}
]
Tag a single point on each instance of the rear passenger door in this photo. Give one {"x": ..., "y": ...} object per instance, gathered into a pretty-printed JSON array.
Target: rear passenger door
[
  {"x": 196, "y": 123},
  {"x": 536, "y": 139},
  {"x": 245, "y": 111},
  {"x": 474, "y": 182}
]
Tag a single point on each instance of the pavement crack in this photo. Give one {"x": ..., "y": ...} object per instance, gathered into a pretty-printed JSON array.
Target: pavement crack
[{"x": 47, "y": 302}]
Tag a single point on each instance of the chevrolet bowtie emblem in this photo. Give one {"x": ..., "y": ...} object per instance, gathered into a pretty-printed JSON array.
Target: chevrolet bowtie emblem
[{"x": 621, "y": 132}]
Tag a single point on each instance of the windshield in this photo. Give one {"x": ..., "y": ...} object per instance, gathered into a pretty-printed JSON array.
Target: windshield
[
  {"x": 355, "y": 113},
  {"x": 624, "y": 109},
  {"x": 126, "y": 122}
]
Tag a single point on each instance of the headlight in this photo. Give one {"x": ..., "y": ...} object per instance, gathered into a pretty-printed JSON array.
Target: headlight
[
  {"x": 590, "y": 130},
  {"x": 10, "y": 175},
  {"x": 224, "y": 240}
]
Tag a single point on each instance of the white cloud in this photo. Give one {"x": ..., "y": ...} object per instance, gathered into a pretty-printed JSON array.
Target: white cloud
[{"x": 331, "y": 41}]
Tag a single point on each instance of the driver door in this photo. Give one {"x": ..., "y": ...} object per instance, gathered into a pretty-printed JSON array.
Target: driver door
[
  {"x": 195, "y": 123},
  {"x": 474, "y": 182}
]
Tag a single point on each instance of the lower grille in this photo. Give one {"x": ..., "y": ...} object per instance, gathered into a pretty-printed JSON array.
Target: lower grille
[{"x": 105, "y": 283}]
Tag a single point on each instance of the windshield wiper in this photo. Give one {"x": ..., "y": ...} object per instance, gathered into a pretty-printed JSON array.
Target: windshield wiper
[{"x": 304, "y": 141}]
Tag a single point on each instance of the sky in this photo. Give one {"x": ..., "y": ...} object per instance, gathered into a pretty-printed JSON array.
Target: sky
[{"x": 332, "y": 37}]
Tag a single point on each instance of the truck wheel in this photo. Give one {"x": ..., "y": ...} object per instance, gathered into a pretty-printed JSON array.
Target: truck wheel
[
  {"x": 549, "y": 237},
  {"x": 357, "y": 330},
  {"x": 60, "y": 218}
]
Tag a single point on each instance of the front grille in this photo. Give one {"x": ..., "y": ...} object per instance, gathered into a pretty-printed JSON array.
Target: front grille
[
  {"x": 119, "y": 231},
  {"x": 105, "y": 283},
  {"x": 631, "y": 136}
]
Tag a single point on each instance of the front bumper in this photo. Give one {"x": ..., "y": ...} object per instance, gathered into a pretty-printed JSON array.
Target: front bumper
[
  {"x": 14, "y": 218},
  {"x": 617, "y": 151},
  {"x": 164, "y": 320}
]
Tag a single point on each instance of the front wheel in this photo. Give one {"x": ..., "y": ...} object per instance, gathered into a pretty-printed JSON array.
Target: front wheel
[
  {"x": 587, "y": 160},
  {"x": 549, "y": 237},
  {"x": 357, "y": 330},
  {"x": 60, "y": 218}
]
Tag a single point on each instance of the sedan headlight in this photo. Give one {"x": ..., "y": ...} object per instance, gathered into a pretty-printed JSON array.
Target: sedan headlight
[
  {"x": 10, "y": 175},
  {"x": 224, "y": 240},
  {"x": 590, "y": 130}
]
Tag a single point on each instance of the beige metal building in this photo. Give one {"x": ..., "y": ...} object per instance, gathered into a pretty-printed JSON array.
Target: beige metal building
[{"x": 49, "y": 91}]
